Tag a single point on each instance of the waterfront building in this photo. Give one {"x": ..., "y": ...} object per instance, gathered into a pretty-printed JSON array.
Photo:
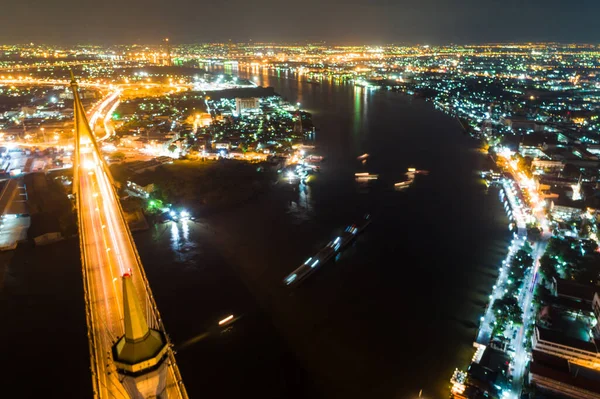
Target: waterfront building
[
  {"x": 487, "y": 376},
  {"x": 567, "y": 329}
]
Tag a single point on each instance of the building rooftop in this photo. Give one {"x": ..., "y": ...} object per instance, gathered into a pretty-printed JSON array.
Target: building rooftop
[
  {"x": 561, "y": 338},
  {"x": 560, "y": 370},
  {"x": 573, "y": 290}
]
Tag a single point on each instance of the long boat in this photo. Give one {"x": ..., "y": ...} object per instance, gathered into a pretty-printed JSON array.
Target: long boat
[{"x": 332, "y": 249}]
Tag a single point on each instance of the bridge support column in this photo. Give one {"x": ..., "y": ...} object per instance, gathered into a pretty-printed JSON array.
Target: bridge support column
[{"x": 141, "y": 354}]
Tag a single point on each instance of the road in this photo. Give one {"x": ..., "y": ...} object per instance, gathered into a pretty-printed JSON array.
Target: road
[
  {"x": 518, "y": 212},
  {"x": 103, "y": 110},
  {"x": 521, "y": 357},
  {"x": 521, "y": 354},
  {"x": 514, "y": 209},
  {"x": 108, "y": 251}
]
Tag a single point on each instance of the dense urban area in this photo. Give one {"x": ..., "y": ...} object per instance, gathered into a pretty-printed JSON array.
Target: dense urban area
[{"x": 182, "y": 140}]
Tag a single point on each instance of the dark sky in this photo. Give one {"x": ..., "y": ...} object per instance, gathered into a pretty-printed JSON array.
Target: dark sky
[{"x": 335, "y": 21}]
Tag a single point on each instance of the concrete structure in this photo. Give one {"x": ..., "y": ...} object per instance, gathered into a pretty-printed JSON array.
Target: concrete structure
[
  {"x": 547, "y": 164},
  {"x": 565, "y": 212},
  {"x": 522, "y": 124},
  {"x": 557, "y": 344},
  {"x": 14, "y": 219},
  {"x": 531, "y": 151},
  {"x": 152, "y": 164},
  {"x": 246, "y": 104},
  {"x": 140, "y": 353},
  {"x": 139, "y": 190},
  {"x": 596, "y": 309},
  {"x": 48, "y": 238},
  {"x": 560, "y": 377},
  {"x": 133, "y": 367},
  {"x": 576, "y": 292}
]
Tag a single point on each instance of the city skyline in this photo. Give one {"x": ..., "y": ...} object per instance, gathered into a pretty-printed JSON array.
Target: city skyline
[
  {"x": 308, "y": 217},
  {"x": 425, "y": 22}
]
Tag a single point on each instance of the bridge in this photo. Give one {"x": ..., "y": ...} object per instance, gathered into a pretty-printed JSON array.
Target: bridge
[{"x": 131, "y": 355}]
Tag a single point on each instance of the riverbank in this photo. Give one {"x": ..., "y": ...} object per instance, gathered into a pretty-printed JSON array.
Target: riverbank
[
  {"x": 411, "y": 287},
  {"x": 202, "y": 186}
]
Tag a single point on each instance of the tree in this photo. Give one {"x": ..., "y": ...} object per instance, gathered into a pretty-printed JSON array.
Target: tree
[
  {"x": 534, "y": 233},
  {"x": 589, "y": 246},
  {"x": 542, "y": 295},
  {"x": 548, "y": 267},
  {"x": 506, "y": 310},
  {"x": 519, "y": 264}
]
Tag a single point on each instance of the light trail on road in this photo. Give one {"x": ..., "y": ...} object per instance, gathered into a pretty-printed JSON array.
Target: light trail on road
[{"x": 108, "y": 252}]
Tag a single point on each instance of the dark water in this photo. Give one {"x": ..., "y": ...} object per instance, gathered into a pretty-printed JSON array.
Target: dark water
[{"x": 396, "y": 314}]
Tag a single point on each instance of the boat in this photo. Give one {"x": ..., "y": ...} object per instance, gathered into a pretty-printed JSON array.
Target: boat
[
  {"x": 402, "y": 185},
  {"x": 413, "y": 171},
  {"x": 313, "y": 158},
  {"x": 332, "y": 249},
  {"x": 365, "y": 176}
]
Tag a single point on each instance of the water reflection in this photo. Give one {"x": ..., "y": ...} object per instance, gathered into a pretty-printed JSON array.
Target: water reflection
[
  {"x": 359, "y": 115},
  {"x": 302, "y": 208},
  {"x": 185, "y": 227},
  {"x": 182, "y": 242},
  {"x": 175, "y": 243}
]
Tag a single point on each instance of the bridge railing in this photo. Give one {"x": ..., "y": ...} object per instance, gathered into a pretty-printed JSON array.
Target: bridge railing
[
  {"x": 155, "y": 313},
  {"x": 89, "y": 316}
]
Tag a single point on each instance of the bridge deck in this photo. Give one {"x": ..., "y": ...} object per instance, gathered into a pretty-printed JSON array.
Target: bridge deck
[{"x": 108, "y": 251}]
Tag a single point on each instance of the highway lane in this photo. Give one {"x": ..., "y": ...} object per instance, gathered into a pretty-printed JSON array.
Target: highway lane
[
  {"x": 109, "y": 252},
  {"x": 104, "y": 107},
  {"x": 109, "y": 130},
  {"x": 101, "y": 278}
]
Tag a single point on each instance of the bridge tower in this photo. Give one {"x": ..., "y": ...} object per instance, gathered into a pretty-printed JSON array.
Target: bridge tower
[{"x": 141, "y": 354}]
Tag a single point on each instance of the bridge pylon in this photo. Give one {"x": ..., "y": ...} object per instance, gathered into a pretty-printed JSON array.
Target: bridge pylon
[{"x": 140, "y": 355}]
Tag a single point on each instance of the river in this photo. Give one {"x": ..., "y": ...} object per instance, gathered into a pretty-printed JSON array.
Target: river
[{"x": 394, "y": 315}]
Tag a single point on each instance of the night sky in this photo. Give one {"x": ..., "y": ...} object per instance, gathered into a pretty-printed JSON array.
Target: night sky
[{"x": 333, "y": 21}]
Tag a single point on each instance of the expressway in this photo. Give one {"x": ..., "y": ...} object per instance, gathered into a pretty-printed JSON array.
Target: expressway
[
  {"x": 108, "y": 251},
  {"x": 103, "y": 110}
]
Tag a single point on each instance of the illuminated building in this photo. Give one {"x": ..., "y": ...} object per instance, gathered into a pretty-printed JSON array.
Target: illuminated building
[
  {"x": 558, "y": 376},
  {"x": 246, "y": 104}
]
